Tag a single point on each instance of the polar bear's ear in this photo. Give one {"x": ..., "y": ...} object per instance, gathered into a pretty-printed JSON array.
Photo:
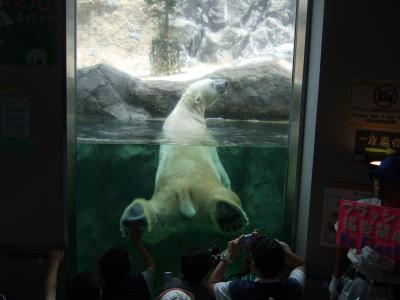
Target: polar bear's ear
[{"x": 197, "y": 100}]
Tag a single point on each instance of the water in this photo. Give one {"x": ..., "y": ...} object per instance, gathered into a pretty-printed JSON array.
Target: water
[
  {"x": 223, "y": 132},
  {"x": 117, "y": 162}
]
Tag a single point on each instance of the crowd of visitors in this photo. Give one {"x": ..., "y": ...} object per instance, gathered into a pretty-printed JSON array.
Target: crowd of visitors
[
  {"x": 266, "y": 279},
  {"x": 270, "y": 269}
]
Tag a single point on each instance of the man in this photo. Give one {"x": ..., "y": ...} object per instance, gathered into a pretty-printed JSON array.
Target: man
[
  {"x": 268, "y": 258},
  {"x": 115, "y": 270},
  {"x": 371, "y": 275}
]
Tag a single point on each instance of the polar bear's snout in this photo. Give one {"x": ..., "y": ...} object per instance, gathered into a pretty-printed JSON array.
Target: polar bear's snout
[{"x": 220, "y": 85}]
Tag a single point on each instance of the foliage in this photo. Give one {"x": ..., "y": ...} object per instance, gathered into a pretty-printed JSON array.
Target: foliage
[{"x": 164, "y": 56}]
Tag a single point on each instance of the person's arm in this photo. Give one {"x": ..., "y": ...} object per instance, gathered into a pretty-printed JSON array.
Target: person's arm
[
  {"x": 135, "y": 235},
  {"x": 233, "y": 251},
  {"x": 218, "y": 274},
  {"x": 340, "y": 261},
  {"x": 296, "y": 262},
  {"x": 292, "y": 259},
  {"x": 245, "y": 267},
  {"x": 55, "y": 258},
  {"x": 338, "y": 270}
]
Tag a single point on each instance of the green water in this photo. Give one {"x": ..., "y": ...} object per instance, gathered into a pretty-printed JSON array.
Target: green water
[{"x": 110, "y": 176}]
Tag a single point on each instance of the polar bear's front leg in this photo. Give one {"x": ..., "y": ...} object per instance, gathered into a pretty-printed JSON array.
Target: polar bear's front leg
[
  {"x": 226, "y": 210},
  {"x": 141, "y": 212},
  {"x": 220, "y": 168}
]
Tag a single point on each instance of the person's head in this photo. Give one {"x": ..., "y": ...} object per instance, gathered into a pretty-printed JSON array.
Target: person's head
[
  {"x": 195, "y": 265},
  {"x": 84, "y": 286},
  {"x": 114, "y": 265},
  {"x": 268, "y": 257},
  {"x": 387, "y": 180}
]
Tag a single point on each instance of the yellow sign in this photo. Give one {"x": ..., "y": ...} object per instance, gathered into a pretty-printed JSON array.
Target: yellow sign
[
  {"x": 7, "y": 87},
  {"x": 375, "y": 104}
]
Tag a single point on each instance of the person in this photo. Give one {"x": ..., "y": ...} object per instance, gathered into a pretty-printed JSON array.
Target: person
[
  {"x": 196, "y": 263},
  {"x": 55, "y": 259},
  {"x": 267, "y": 258},
  {"x": 2, "y": 258},
  {"x": 369, "y": 274},
  {"x": 115, "y": 269},
  {"x": 84, "y": 286}
]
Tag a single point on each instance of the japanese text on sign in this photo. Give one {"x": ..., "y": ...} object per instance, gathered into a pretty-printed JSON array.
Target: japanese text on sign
[
  {"x": 362, "y": 224},
  {"x": 375, "y": 105},
  {"x": 375, "y": 145}
]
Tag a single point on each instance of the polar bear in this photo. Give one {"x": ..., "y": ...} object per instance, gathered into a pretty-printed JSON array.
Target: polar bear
[{"x": 192, "y": 190}]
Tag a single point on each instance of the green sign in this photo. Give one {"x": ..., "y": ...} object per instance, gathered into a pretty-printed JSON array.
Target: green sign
[{"x": 27, "y": 32}]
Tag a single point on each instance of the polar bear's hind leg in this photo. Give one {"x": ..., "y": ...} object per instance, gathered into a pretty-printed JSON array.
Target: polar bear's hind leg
[
  {"x": 230, "y": 218},
  {"x": 228, "y": 215}
]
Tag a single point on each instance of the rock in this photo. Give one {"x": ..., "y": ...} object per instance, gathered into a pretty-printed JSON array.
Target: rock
[
  {"x": 102, "y": 91},
  {"x": 120, "y": 33},
  {"x": 260, "y": 90}
]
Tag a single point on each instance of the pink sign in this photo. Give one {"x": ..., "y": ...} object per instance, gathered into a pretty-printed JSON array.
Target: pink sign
[{"x": 362, "y": 224}]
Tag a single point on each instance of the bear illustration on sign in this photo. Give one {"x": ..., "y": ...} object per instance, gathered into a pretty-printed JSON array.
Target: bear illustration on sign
[{"x": 192, "y": 190}]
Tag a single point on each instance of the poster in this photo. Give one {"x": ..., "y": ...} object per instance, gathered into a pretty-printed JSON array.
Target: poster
[
  {"x": 333, "y": 193},
  {"x": 363, "y": 224},
  {"x": 15, "y": 123},
  {"x": 375, "y": 104},
  {"x": 27, "y": 32}
]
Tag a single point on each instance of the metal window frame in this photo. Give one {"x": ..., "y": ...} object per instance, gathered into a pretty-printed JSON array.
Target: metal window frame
[
  {"x": 296, "y": 122},
  {"x": 296, "y": 117},
  {"x": 70, "y": 6}
]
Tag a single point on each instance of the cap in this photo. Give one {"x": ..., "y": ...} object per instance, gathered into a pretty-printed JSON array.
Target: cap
[
  {"x": 389, "y": 169},
  {"x": 175, "y": 294}
]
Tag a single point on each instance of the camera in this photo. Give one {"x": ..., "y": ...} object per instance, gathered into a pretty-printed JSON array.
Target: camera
[
  {"x": 215, "y": 255},
  {"x": 249, "y": 239}
]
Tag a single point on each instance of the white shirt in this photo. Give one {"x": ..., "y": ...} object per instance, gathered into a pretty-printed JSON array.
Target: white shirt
[{"x": 221, "y": 289}]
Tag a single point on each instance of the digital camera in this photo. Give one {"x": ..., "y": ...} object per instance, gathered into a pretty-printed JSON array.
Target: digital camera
[
  {"x": 215, "y": 255},
  {"x": 249, "y": 239}
]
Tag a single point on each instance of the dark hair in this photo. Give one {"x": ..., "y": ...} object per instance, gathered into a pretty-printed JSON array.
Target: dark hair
[
  {"x": 84, "y": 286},
  {"x": 195, "y": 265},
  {"x": 268, "y": 256},
  {"x": 114, "y": 265}
]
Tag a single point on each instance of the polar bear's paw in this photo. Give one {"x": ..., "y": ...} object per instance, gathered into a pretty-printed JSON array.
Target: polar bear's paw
[
  {"x": 134, "y": 214},
  {"x": 230, "y": 218}
]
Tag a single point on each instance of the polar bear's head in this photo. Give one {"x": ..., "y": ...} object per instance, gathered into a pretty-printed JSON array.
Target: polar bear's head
[
  {"x": 201, "y": 94},
  {"x": 186, "y": 121}
]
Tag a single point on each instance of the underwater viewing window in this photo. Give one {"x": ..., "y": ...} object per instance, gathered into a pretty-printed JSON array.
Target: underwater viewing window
[{"x": 183, "y": 115}]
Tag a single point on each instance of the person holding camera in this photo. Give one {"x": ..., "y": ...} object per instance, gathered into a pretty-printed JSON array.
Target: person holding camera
[{"x": 268, "y": 258}]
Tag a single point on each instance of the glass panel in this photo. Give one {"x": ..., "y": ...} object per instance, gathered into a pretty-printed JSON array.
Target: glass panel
[{"x": 182, "y": 125}]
